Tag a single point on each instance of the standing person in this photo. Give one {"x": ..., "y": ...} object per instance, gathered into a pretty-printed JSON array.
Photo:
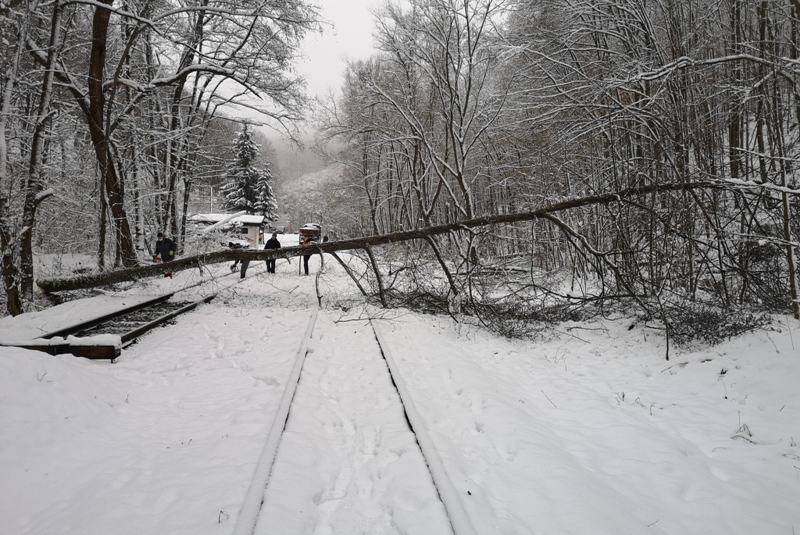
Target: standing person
[
  {"x": 306, "y": 243},
  {"x": 272, "y": 243},
  {"x": 235, "y": 265},
  {"x": 245, "y": 263},
  {"x": 165, "y": 249}
]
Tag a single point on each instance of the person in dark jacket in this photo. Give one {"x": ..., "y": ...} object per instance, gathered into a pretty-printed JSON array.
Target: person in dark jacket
[
  {"x": 165, "y": 251},
  {"x": 272, "y": 243},
  {"x": 306, "y": 243},
  {"x": 245, "y": 263}
]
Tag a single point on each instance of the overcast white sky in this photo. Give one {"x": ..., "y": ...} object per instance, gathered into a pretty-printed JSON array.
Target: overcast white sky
[
  {"x": 350, "y": 38},
  {"x": 347, "y": 35}
]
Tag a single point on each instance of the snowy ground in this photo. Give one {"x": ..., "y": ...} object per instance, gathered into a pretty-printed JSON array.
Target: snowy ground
[{"x": 588, "y": 432}]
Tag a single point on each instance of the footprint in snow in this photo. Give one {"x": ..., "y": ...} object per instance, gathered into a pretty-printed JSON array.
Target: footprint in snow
[
  {"x": 372, "y": 441},
  {"x": 269, "y": 381},
  {"x": 477, "y": 407}
]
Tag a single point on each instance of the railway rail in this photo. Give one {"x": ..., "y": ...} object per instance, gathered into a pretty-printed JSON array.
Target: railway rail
[
  {"x": 125, "y": 325},
  {"x": 250, "y": 518},
  {"x": 104, "y": 337},
  {"x": 122, "y": 326}
]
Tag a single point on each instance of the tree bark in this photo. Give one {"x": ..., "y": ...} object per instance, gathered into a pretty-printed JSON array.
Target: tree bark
[
  {"x": 35, "y": 181},
  {"x": 8, "y": 266},
  {"x": 350, "y": 272},
  {"x": 100, "y": 136},
  {"x": 8, "y": 243},
  {"x": 378, "y": 278}
]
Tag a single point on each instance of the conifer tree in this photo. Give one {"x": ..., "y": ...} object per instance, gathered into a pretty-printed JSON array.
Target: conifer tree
[
  {"x": 266, "y": 204},
  {"x": 240, "y": 188}
]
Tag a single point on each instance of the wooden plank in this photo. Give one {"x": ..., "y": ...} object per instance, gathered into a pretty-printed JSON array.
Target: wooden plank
[{"x": 94, "y": 352}]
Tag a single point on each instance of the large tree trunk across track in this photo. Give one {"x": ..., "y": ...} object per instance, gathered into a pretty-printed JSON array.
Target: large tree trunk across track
[{"x": 56, "y": 284}]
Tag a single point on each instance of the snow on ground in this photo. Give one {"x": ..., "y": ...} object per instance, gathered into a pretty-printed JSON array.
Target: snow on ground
[
  {"x": 596, "y": 433},
  {"x": 348, "y": 462},
  {"x": 588, "y": 431}
]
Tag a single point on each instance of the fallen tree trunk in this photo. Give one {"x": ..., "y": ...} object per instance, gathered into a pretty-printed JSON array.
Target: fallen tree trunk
[{"x": 55, "y": 284}]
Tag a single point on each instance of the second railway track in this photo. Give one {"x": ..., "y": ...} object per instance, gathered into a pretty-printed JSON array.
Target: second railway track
[
  {"x": 124, "y": 325},
  {"x": 127, "y": 323}
]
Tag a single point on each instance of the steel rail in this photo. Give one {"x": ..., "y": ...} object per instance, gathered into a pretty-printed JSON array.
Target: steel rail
[
  {"x": 456, "y": 512},
  {"x": 130, "y": 336},
  {"x": 85, "y": 325},
  {"x": 254, "y": 498},
  {"x": 91, "y": 349}
]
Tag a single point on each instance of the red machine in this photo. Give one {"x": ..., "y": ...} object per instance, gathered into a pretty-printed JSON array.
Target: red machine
[{"x": 310, "y": 230}]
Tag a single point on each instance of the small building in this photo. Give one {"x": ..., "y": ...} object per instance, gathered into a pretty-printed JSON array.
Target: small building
[{"x": 246, "y": 227}]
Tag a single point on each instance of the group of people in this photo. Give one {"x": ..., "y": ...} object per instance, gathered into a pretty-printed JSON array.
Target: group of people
[
  {"x": 272, "y": 243},
  {"x": 165, "y": 252}
]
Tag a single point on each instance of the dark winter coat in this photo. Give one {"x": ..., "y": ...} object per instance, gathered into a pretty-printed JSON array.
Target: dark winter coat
[
  {"x": 272, "y": 243},
  {"x": 165, "y": 248}
]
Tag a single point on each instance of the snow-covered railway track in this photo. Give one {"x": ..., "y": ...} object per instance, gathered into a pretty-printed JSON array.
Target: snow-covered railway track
[
  {"x": 251, "y": 507},
  {"x": 355, "y": 455},
  {"x": 447, "y": 491},
  {"x": 127, "y": 323},
  {"x": 131, "y": 324}
]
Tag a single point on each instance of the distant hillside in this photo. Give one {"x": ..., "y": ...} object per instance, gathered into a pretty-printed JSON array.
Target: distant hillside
[
  {"x": 294, "y": 163},
  {"x": 302, "y": 199},
  {"x": 313, "y": 179}
]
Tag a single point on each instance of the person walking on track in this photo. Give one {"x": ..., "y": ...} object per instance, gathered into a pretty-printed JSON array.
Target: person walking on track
[
  {"x": 306, "y": 243},
  {"x": 165, "y": 249},
  {"x": 272, "y": 243}
]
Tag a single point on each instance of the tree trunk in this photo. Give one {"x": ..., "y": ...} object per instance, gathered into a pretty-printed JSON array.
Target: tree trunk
[
  {"x": 378, "y": 278},
  {"x": 10, "y": 272},
  {"x": 35, "y": 181},
  {"x": 91, "y": 281},
  {"x": 100, "y": 136},
  {"x": 7, "y": 229}
]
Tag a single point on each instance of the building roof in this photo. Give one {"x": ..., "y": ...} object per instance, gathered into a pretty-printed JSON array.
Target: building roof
[{"x": 227, "y": 218}]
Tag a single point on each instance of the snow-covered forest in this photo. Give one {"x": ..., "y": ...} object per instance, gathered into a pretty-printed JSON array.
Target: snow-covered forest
[
  {"x": 117, "y": 116},
  {"x": 483, "y": 108},
  {"x": 521, "y": 209},
  {"x": 654, "y": 145}
]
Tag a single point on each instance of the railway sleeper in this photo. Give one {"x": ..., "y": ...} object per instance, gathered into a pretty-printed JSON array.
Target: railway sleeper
[{"x": 103, "y": 347}]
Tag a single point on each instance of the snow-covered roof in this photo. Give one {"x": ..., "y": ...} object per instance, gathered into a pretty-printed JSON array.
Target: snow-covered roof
[{"x": 230, "y": 218}]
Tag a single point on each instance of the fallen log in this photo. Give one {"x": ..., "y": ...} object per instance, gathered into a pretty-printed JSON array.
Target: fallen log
[{"x": 60, "y": 284}]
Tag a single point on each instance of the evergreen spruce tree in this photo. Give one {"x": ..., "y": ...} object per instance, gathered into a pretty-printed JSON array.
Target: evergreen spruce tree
[
  {"x": 265, "y": 203},
  {"x": 240, "y": 188}
]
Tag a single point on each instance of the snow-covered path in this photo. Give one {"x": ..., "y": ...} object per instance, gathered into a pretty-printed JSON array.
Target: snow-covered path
[
  {"x": 348, "y": 463},
  {"x": 588, "y": 431},
  {"x": 167, "y": 437}
]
